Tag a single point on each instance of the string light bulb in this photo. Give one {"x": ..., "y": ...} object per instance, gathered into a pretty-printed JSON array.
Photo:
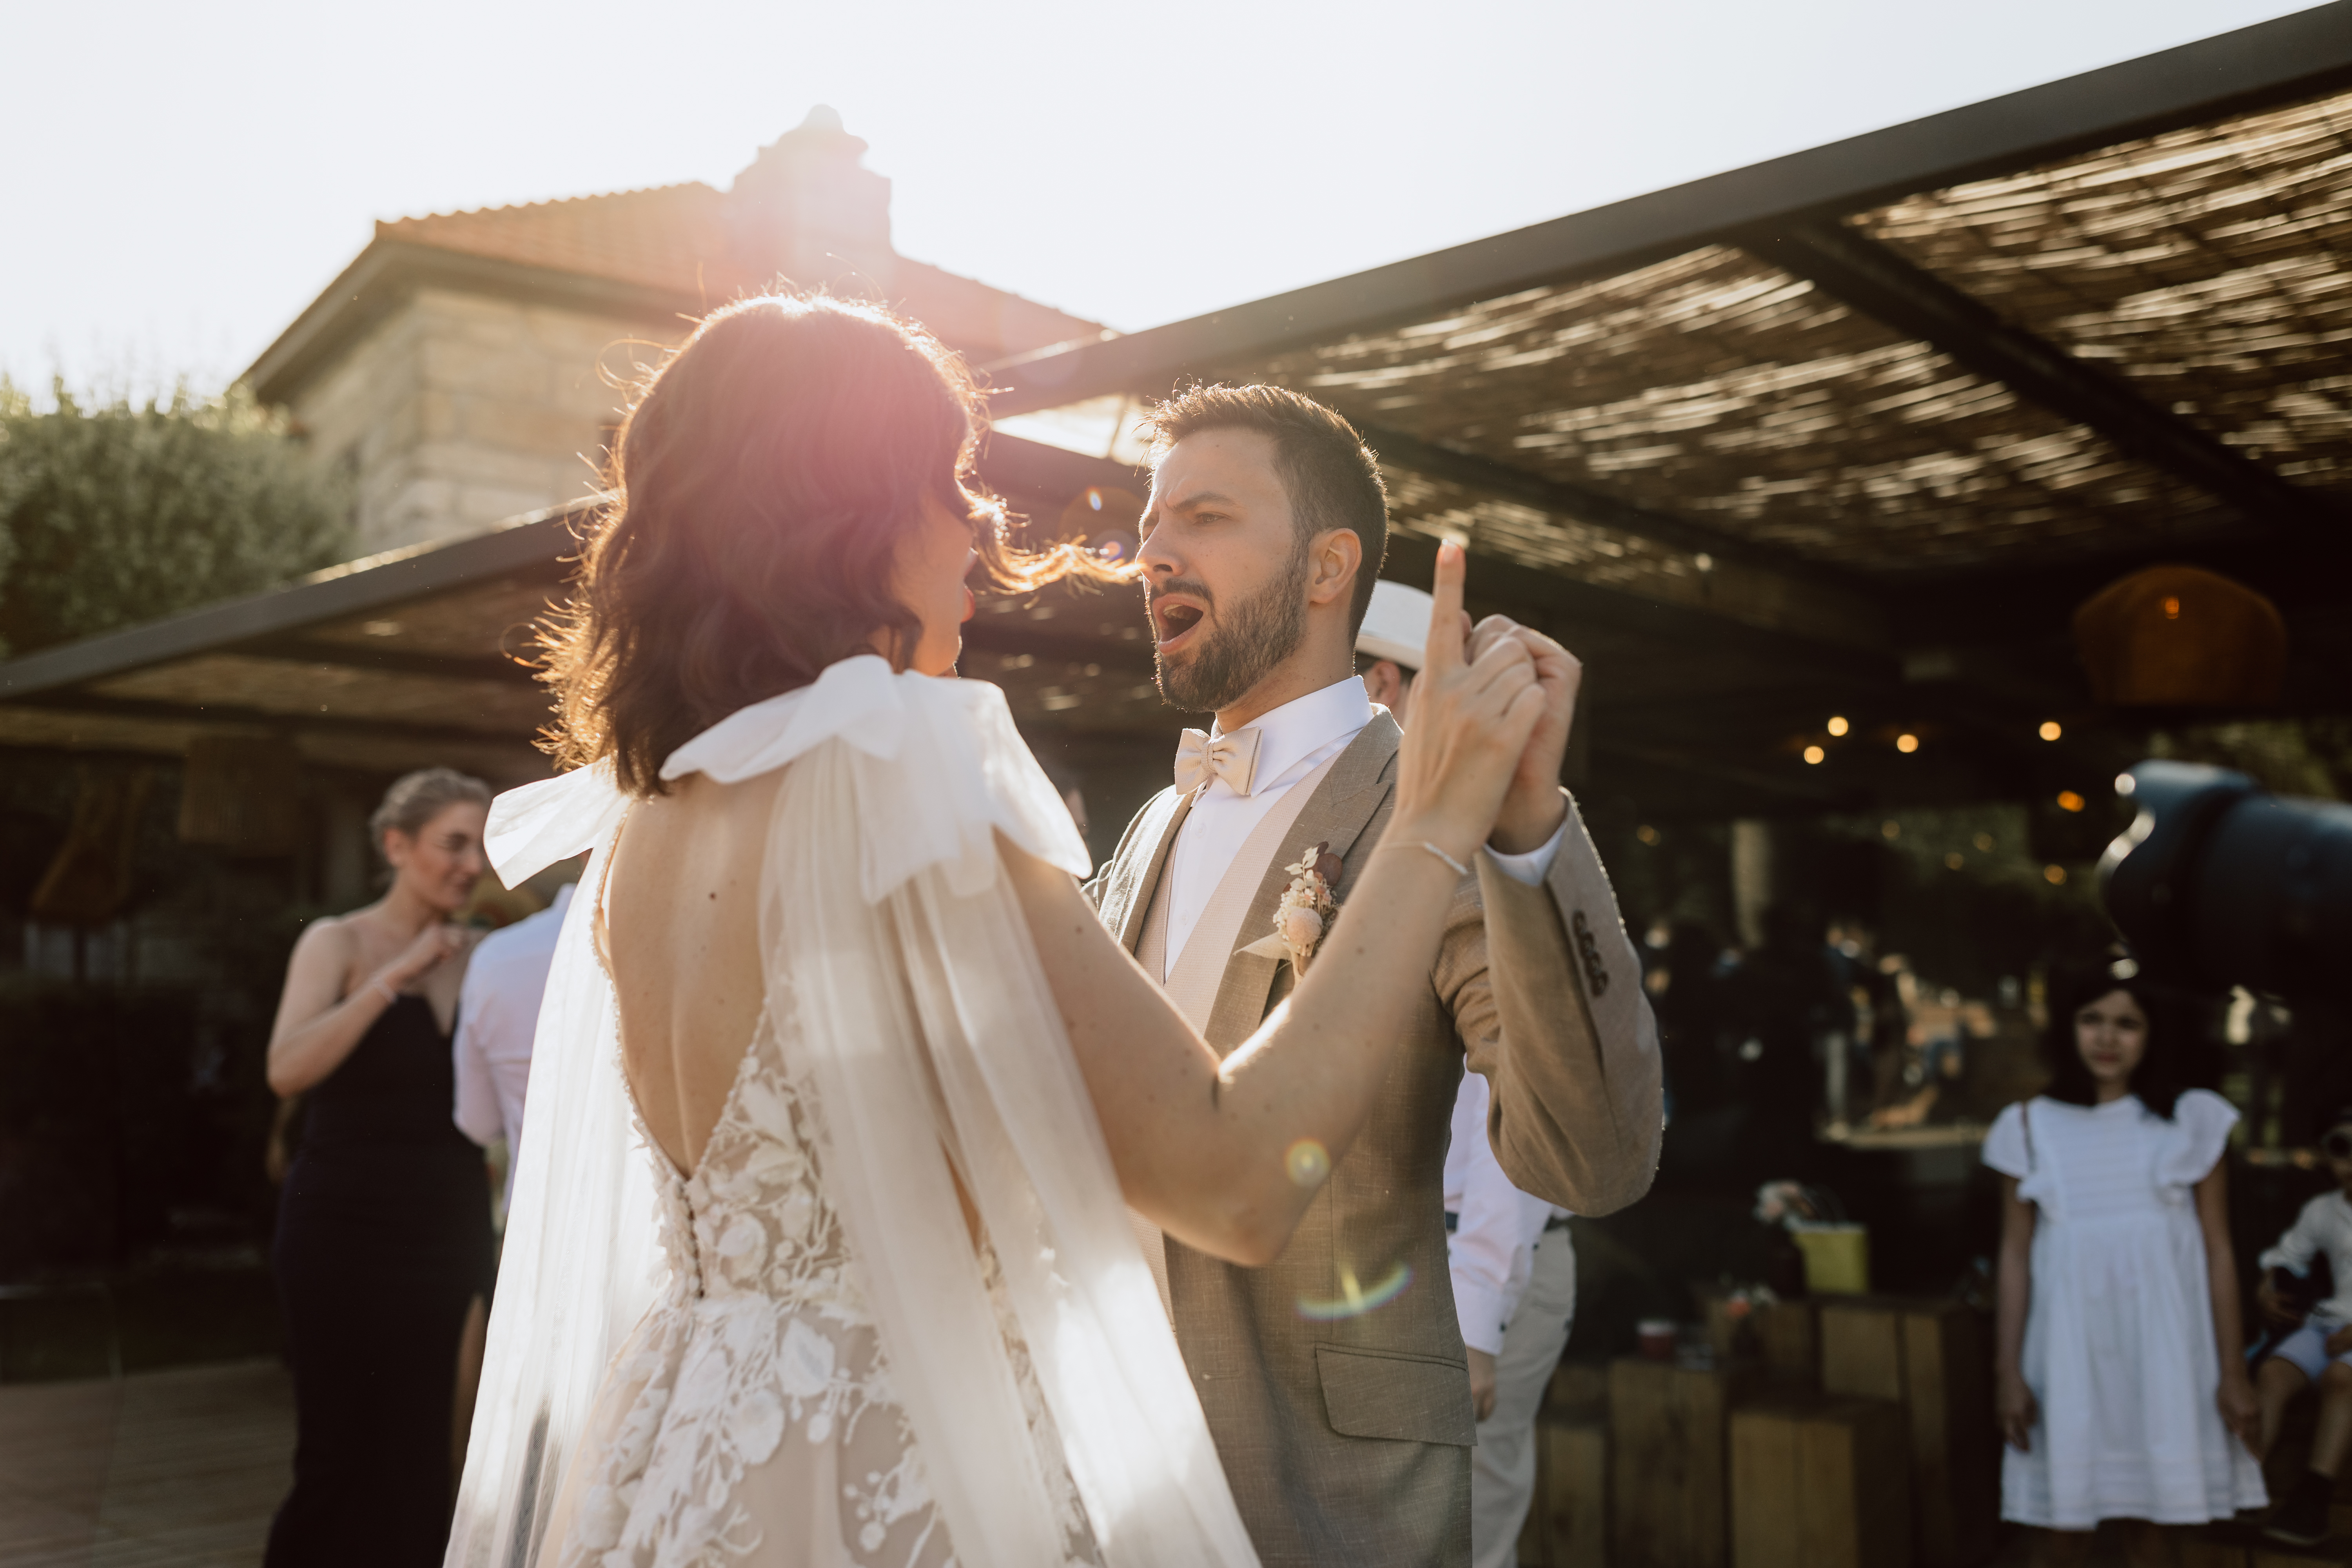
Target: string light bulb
[
  {"x": 1837, "y": 725},
  {"x": 1907, "y": 745},
  {"x": 1814, "y": 753},
  {"x": 2051, "y": 730}
]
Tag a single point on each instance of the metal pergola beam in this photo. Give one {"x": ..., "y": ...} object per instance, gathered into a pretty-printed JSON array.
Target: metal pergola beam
[
  {"x": 2269, "y": 63},
  {"x": 1877, "y": 280},
  {"x": 532, "y": 543},
  {"x": 1594, "y": 507},
  {"x": 316, "y": 651},
  {"x": 234, "y": 716}
]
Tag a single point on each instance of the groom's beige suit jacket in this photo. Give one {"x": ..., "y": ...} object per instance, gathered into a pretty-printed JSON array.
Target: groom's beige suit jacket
[{"x": 1334, "y": 1378}]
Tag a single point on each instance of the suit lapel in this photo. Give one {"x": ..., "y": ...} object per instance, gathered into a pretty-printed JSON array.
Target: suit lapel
[
  {"x": 1171, "y": 808},
  {"x": 1335, "y": 814}
]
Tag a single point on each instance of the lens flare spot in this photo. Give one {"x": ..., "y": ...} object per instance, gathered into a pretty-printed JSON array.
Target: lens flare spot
[
  {"x": 1308, "y": 1161},
  {"x": 1354, "y": 1300}
]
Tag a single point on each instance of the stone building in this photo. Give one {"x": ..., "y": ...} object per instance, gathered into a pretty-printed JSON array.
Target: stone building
[{"x": 467, "y": 367}]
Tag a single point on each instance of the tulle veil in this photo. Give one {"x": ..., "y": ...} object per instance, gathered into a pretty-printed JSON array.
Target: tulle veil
[{"x": 914, "y": 1015}]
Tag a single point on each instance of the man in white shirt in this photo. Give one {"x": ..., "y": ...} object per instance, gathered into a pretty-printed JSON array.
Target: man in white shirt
[
  {"x": 1512, "y": 1261},
  {"x": 498, "y": 1014},
  {"x": 1334, "y": 1378}
]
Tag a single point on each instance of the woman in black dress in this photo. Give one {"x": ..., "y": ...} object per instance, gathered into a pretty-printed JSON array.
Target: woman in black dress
[{"x": 384, "y": 1248}]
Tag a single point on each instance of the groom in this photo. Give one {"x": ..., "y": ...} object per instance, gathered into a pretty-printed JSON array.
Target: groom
[{"x": 1334, "y": 1378}]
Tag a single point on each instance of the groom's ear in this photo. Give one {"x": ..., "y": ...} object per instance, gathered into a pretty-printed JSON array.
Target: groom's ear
[{"x": 1333, "y": 558}]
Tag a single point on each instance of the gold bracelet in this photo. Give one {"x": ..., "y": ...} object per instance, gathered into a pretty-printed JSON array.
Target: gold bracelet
[{"x": 1459, "y": 868}]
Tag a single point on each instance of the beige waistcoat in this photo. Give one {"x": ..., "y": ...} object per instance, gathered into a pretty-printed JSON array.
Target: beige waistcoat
[{"x": 1200, "y": 969}]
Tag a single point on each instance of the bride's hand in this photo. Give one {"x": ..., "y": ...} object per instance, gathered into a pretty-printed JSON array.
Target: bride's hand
[{"x": 1472, "y": 718}]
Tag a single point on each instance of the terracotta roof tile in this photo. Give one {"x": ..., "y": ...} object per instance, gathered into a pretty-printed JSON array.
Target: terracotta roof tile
[{"x": 675, "y": 238}]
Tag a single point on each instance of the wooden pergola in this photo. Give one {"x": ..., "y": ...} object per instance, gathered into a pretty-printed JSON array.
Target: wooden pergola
[{"x": 1849, "y": 433}]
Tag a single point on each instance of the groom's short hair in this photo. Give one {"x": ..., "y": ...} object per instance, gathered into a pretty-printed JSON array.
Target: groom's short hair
[{"x": 1332, "y": 479}]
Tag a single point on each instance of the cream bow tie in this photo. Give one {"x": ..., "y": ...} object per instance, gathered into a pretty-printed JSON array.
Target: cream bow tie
[{"x": 1232, "y": 758}]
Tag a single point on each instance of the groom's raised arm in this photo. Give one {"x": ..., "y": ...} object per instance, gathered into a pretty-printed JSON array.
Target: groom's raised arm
[{"x": 1546, "y": 992}]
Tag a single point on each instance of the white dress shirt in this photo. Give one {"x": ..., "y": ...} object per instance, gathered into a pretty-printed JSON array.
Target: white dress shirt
[
  {"x": 2323, "y": 1225},
  {"x": 1491, "y": 1252},
  {"x": 1293, "y": 740},
  {"x": 498, "y": 1015}
]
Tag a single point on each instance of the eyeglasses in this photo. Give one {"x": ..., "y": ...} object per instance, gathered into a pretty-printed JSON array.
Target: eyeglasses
[{"x": 2337, "y": 1145}]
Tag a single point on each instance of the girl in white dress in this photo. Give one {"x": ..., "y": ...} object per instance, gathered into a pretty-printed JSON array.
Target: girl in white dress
[{"x": 2121, "y": 1389}]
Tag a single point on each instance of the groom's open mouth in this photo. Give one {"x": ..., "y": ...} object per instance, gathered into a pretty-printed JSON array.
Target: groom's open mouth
[{"x": 1175, "y": 618}]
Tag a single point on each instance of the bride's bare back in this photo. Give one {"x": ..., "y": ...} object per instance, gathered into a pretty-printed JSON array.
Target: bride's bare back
[{"x": 681, "y": 918}]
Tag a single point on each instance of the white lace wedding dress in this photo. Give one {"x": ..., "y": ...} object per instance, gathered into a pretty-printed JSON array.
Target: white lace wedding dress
[
  {"x": 826, "y": 1372},
  {"x": 750, "y": 1415}
]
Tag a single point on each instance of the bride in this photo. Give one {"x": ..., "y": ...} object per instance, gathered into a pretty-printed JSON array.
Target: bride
[{"x": 869, "y": 1293}]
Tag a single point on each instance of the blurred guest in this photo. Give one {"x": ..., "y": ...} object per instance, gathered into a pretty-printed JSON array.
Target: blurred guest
[
  {"x": 1891, "y": 993},
  {"x": 383, "y": 1254},
  {"x": 498, "y": 1015},
  {"x": 1514, "y": 1269},
  {"x": 1688, "y": 997},
  {"x": 1782, "y": 1000},
  {"x": 1512, "y": 1263}
]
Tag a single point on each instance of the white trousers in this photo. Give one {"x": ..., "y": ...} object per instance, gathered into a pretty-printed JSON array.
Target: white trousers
[{"x": 1503, "y": 1465}]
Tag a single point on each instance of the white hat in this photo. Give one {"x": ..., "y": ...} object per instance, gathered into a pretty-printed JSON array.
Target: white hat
[{"x": 1396, "y": 626}]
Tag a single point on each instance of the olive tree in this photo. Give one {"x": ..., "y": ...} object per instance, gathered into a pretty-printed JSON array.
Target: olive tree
[{"x": 113, "y": 512}]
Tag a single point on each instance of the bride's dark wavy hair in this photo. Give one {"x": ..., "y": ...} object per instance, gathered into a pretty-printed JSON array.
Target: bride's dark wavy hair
[{"x": 755, "y": 501}]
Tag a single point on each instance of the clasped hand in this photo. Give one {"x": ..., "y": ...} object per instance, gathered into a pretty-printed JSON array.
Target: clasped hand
[
  {"x": 1490, "y": 715},
  {"x": 433, "y": 946}
]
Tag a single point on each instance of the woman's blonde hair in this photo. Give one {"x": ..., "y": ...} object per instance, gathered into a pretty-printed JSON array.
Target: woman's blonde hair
[{"x": 416, "y": 799}]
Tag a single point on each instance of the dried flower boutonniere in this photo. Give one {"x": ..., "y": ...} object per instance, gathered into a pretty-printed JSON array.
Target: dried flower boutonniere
[{"x": 1308, "y": 905}]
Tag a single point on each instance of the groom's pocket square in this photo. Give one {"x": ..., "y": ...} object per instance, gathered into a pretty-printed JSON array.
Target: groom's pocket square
[{"x": 1389, "y": 1394}]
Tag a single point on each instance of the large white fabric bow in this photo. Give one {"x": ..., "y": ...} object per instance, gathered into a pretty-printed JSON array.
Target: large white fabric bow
[{"x": 1200, "y": 757}]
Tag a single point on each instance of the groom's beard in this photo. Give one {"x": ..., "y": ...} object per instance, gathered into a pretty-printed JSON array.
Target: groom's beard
[{"x": 1235, "y": 654}]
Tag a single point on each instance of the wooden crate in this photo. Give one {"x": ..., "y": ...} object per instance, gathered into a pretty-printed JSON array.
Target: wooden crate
[
  {"x": 1862, "y": 1348},
  {"x": 1568, "y": 1520},
  {"x": 1820, "y": 1483},
  {"x": 1934, "y": 1358},
  {"x": 1579, "y": 1388},
  {"x": 2199, "y": 1549},
  {"x": 1784, "y": 1335},
  {"x": 2328, "y": 1553},
  {"x": 1668, "y": 1469}
]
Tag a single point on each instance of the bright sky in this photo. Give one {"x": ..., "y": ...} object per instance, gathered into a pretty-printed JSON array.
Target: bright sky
[{"x": 182, "y": 179}]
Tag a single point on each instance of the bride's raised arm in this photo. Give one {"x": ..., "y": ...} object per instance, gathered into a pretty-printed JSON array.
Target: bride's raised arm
[{"x": 1205, "y": 1149}]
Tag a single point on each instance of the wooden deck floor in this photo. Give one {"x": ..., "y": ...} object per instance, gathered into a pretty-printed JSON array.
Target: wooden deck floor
[{"x": 180, "y": 1467}]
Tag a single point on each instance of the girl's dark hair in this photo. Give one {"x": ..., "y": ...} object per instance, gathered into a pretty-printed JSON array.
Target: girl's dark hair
[
  {"x": 416, "y": 799},
  {"x": 2177, "y": 1055},
  {"x": 756, "y": 498}
]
